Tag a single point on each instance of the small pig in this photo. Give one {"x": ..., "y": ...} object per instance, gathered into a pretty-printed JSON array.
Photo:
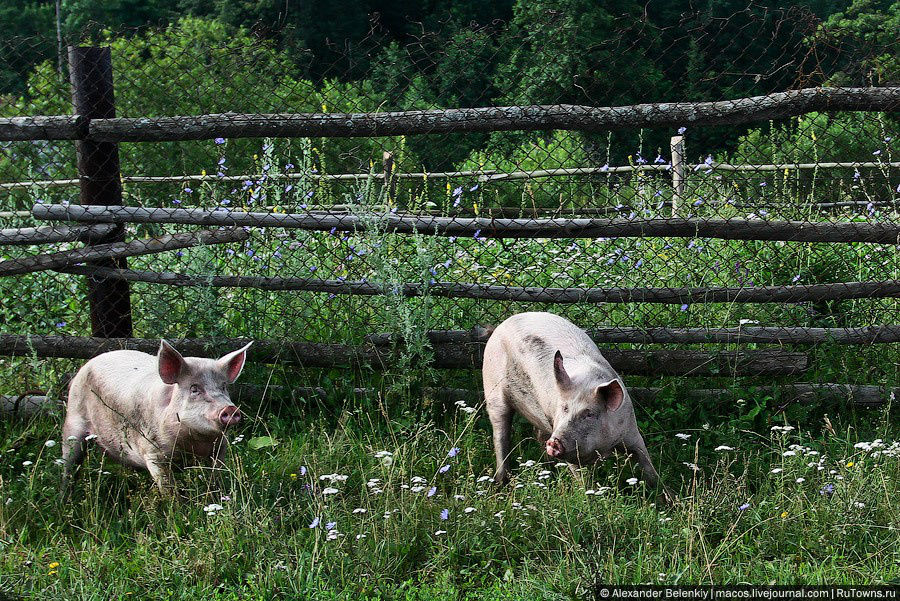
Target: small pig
[
  {"x": 151, "y": 412},
  {"x": 549, "y": 371}
]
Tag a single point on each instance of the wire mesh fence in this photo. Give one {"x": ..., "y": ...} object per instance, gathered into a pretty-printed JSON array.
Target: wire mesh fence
[{"x": 730, "y": 180}]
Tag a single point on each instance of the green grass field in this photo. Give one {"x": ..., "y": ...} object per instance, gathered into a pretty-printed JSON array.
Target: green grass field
[{"x": 363, "y": 499}]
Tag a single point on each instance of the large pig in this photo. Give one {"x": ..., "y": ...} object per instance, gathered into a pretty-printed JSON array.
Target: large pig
[
  {"x": 549, "y": 371},
  {"x": 151, "y": 412}
]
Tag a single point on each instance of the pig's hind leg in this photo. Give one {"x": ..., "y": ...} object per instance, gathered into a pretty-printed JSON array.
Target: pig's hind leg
[
  {"x": 500, "y": 414},
  {"x": 74, "y": 431}
]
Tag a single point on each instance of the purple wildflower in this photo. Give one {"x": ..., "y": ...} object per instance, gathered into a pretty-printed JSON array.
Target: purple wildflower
[
  {"x": 453, "y": 452},
  {"x": 684, "y": 307},
  {"x": 188, "y": 191},
  {"x": 219, "y": 140},
  {"x": 681, "y": 130},
  {"x": 330, "y": 525},
  {"x": 827, "y": 490},
  {"x": 432, "y": 490},
  {"x": 744, "y": 507},
  {"x": 444, "y": 469},
  {"x": 445, "y": 514},
  {"x": 315, "y": 522}
]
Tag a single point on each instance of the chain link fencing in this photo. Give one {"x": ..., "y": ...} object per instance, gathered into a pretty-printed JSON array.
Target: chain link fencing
[{"x": 715, "y": 198}]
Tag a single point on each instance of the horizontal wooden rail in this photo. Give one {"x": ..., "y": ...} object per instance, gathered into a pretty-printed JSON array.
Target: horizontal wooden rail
[
  {"x": 725, "y": 229},
  {"x": 860, "y": 395},
  {"x": 117, "y": 250},
  {"x": 576, "y": 171},
  {"x": 55, "y": 127},
  {"x": 25, "y": 236},
  {"x": 486, "y": 119},
  {"x": 491, "y": 119},
  {"x": 758, "y": 294},
  {"x": 446, "y": 355},
  {"x": 481, "y": 175},
  {"x": 651, "y": 335}
]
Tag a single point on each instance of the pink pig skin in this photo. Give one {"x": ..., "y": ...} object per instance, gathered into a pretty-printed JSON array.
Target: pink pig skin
[
  {"x": 148, "y": 411},
  {"x": 549, "y": 371}
]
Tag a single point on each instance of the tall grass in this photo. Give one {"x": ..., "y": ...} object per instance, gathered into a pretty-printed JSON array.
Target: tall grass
[{"x": 354, "y": 503}]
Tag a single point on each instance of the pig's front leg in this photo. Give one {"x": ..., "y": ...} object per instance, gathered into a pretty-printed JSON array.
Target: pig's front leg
[
  {"x": 500, "y": 414},
  {"x": 218, "y": 462},
  {"x": 634, "y": 443},
  {"x": 161, "y": 471}
]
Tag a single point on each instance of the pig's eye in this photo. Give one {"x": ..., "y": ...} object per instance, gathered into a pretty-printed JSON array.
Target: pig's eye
[{"x": 195, "y": 389}]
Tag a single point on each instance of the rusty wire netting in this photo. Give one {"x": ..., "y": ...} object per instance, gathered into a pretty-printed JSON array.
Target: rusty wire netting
[{"x": 744, "y": 191}]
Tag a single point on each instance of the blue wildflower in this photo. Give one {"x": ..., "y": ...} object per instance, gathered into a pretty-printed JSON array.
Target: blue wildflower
[
  {"x": 445, "y": 514},
  {"x": 219, "y": 140},
  {"x": 431, "y": 491},
  {"x": 453, "y": 452},
  {"x": 315, "y": 522},
  {"x": 444, "y": 469}
]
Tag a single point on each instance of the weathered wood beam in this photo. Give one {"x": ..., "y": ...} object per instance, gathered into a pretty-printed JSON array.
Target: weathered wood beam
[
  {"x": 861, "y": 395},
  {"x": 445, "y": 355},
  {"x": 757, "y": 294},
  {"x": 146, "y": 246},
  {"x": 55, "y": 127},
  {"x": 725, "y": 229},
  {"x": 651, "y": 335},
  {"x": 491, "y": 119},
  {"x": 27, "y": 236}
]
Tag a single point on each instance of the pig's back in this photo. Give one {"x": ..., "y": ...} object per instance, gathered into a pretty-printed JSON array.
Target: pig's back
[
  {"x": 122, "y": 378},
  {"x": 539, "y": 335}
]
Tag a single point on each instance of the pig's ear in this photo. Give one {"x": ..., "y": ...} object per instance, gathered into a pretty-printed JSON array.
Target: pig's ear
[
  {"x": 562, "y": 378},
  {"x": 171, "y": 363},
  {"x": 233, "y": 363},
  {"x": 611, "y": 394}
]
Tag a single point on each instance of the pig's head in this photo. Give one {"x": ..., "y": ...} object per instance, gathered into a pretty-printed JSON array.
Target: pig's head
[
  {"x": 200, "y": 394},
  {"x": 587, "y": 423}
]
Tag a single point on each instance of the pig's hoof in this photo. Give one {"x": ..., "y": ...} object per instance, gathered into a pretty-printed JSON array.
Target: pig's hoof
[{"x": 555, "y": 448}]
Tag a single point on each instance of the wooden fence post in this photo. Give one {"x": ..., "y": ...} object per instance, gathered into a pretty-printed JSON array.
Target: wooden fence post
[
  {"x": 677, "y": 145},
  {"x": 387, "y": 162},
  {"x": 90, "y": 72}
]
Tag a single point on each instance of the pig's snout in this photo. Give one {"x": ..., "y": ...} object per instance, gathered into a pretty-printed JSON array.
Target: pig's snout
[
  {"x": 229, "y": 416},
  {"x": 555, "y": 448}
]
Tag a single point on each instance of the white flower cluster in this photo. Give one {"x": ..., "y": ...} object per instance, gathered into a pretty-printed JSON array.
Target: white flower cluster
[{"x": 464, "y": 407}]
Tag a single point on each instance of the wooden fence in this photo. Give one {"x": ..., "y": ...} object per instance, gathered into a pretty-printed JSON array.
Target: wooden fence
[{"x": 103, "y": 261}]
